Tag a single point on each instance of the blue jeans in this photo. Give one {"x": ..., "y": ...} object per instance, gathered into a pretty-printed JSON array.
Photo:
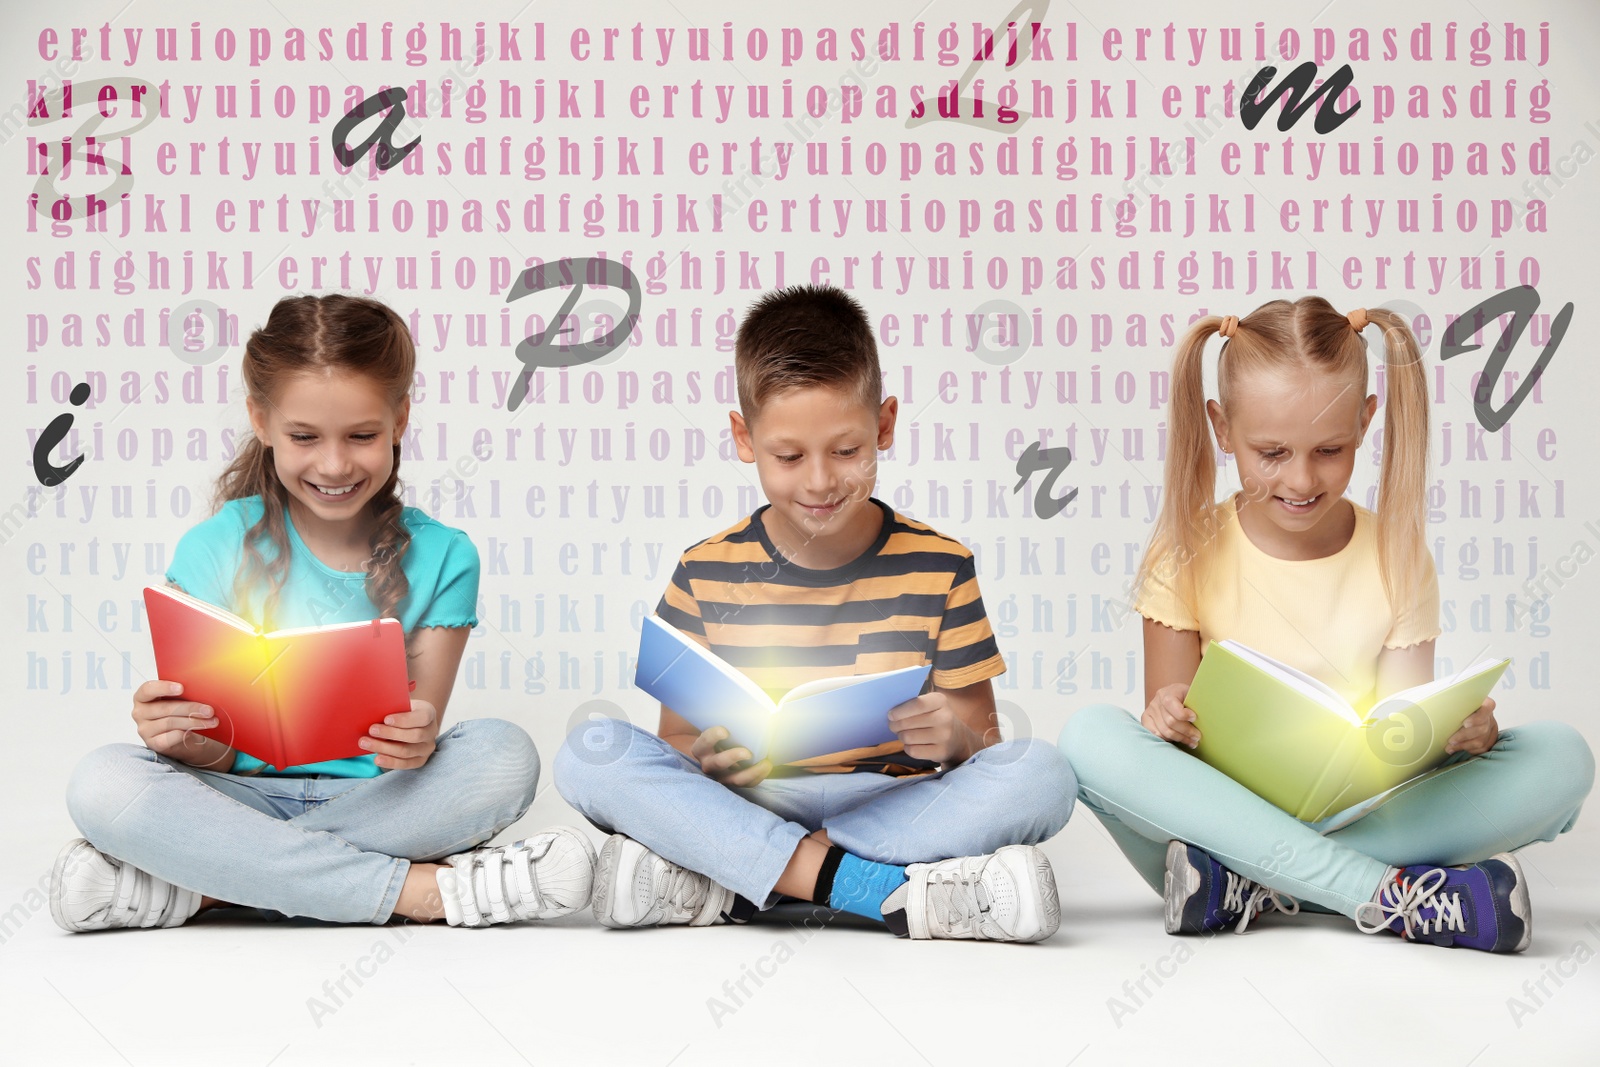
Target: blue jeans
[
  {"x": 336, "y": 849},
  {"x": 627, "y": 780},
  {"x": 1147, "y": 791}
]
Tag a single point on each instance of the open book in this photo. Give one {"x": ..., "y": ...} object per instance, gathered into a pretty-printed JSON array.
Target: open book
[
  {"x": 288, "y": 697},
  {"x": 815, "y": 719},
  {"x": 1295, "y": 742}
]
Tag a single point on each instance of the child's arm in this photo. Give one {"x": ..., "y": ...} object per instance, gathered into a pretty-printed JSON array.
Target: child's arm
[
  {"x": 1402, "y": 668},
  {"x": 166, "y": 724},
  {"x": 405, "y": 741},
  {"x": 948, "y": 726},
  {"x": 678, "y": 732},
  {"x": 1171, "y": 658}
]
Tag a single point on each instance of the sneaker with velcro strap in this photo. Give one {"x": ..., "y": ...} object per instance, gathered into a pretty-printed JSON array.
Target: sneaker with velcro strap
[
  {"x": 90, "y": 890},
  {"x": 546, "y": 876}
]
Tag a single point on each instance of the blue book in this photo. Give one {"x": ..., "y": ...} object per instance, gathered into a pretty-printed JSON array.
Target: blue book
[{"x": 815, "y": 719}]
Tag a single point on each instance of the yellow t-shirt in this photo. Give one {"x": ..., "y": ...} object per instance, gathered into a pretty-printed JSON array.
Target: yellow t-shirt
[{"x": 1328, "y": 617}]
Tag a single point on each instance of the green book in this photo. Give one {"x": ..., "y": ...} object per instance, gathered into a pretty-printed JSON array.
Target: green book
[{"x": 1293, "y": 741}]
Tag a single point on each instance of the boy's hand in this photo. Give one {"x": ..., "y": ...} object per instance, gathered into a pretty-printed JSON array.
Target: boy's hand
[
  {"x": 405, "y": 740},
  {"x": 930, "y": 729},
  {"x": 1167, "y": 718},
  {"x": 1478, "y": 733},
  {"x": 166, "y": 724},
  {"x": 723, "y": 766}
]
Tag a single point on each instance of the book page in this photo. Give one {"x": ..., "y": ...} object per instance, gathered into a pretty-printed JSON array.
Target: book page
[
  {"x": 1405, "y": 698},
  {"x": 191, "y": 601},
  {"x": 1300, "y": 681},
  {"x": 828, "y": 685}
]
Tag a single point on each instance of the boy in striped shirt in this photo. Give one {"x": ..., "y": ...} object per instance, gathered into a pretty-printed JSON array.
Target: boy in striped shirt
[{"x": 932, "y": 835}]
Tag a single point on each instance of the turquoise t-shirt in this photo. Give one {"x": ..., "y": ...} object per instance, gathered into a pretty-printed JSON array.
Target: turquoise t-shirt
[{"x": 441, "y": 565}]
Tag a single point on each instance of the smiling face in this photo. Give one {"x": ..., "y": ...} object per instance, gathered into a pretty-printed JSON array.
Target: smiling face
[
  {"x": 1295, "y": 435},
  {"x": 816, "y": 454},
  {"x": 332, "y": 436}
]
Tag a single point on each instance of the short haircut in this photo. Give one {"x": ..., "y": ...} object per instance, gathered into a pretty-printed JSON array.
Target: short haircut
[{"x": 805, "y": 336}]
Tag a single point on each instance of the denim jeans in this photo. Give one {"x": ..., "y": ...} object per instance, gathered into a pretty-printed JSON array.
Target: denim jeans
[
  {"x": 628, "y": 780},
  {"x": 336, "y": 849},
  {"x": 1147, "y": 791}
]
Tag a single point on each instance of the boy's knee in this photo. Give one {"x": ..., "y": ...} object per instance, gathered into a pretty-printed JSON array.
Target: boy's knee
[
  {"x": 1030, "y": 790},
  {"x": 1052, "y": 786},
  {"x": 103, "y": 784},
  {"x": 588, "y": 755},
  {"x": 1036, "y": 759}
]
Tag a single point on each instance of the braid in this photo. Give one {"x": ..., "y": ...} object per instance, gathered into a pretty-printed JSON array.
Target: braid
[
  {"x": 386, "y": 580},
  {"x": 252, "y": 474}
]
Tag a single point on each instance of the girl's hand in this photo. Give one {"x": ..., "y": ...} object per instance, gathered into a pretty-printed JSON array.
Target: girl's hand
[
  {"x": 930, "y": 729},
  {"x": 404, "y": 741},
  {"x": 1478, "y": 733},
  {"x": 166, "y": 724},
  {"x": 1167, "y": 718},
  {"x": 721, "y": 766}
]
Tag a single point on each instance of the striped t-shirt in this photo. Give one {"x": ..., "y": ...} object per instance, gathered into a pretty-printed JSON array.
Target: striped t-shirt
[{"x": 910, "y": 599}]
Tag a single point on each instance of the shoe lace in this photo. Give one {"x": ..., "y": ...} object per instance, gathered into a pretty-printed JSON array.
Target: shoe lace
[
  {"x": 1260, "y": 899},
  {"x": 1405, "y": 899},
  {"x": 680, "y": 892},
  {"x": 959, "y": 899}
]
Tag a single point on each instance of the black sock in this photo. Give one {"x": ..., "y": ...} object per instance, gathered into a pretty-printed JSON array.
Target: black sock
[{"x": 830, "y": 867}]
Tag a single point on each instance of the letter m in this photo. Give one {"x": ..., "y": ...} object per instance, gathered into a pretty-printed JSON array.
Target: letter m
[{"x": 1257, "y": 98}]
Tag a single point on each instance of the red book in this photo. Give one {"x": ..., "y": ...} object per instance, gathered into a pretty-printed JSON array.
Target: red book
[{"x": 288, "y": 697}]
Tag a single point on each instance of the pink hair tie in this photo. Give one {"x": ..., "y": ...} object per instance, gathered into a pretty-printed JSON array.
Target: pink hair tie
[
  {"x": 1229, "y": 327},
  {"x": 1358, "y": 319}
]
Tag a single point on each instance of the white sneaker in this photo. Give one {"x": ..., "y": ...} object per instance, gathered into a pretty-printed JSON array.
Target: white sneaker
[
  {"x": 1009, "y": 895},
  {"x": 92, "y": 891},
  {"x": 546, "y": 876},
  {"x": 635, "y": 887}
]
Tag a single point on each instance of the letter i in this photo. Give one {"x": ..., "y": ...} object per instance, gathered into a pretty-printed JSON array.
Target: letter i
[{"x": 47, "y": 473}]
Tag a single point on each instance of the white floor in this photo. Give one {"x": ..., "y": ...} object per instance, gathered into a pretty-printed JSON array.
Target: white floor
[{"x": 1109, "y": 988}]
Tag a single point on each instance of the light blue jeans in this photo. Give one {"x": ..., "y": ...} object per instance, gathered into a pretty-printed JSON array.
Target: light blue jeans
[
  {"x": 627, "y": 780},
  {"x": 1147, "y": 791},
  {"x": 336, "y": 849}
]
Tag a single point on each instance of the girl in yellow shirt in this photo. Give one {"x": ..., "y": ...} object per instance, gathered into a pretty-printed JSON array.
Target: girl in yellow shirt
[{"x": 1295, "y": 570}]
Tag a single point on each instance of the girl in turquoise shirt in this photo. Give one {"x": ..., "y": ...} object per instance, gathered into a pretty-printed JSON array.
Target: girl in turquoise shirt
[{"x": 311, "y": 530}]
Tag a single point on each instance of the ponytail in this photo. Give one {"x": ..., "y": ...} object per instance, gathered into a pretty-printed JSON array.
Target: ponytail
[
  {"x": 1190, "y": 477},
  {"x": 1402, "y": 481}
]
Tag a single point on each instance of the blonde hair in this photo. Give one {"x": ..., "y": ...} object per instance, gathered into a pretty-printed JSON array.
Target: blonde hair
[{"x": 1307, "y": 334}]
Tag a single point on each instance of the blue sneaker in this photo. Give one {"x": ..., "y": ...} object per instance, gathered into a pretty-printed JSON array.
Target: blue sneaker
[
  {"x": 1479, "y": 905},
  {"x": 1203, "y": 896}
]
